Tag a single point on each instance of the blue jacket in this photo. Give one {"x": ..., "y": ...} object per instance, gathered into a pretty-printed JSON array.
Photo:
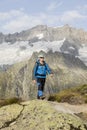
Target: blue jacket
[{"x": 40, "y": 71}]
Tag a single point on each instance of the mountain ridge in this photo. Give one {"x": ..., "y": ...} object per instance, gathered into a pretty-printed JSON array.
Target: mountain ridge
[{"x": 48, "y": 32}]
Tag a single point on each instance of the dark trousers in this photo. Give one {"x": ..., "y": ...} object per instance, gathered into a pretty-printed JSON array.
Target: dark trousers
[{"x": 40, "y": 84}]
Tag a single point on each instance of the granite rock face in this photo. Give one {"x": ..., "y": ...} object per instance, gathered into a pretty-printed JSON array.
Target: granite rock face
[{"x": 37, "y": 115}]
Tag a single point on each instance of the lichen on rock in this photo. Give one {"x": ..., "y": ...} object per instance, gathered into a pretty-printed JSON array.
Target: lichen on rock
[{"x": 40, "y": 115}]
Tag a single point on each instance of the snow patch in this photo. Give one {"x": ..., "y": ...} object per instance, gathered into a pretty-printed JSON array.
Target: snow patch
[
  {"x": 40, "y": 36},
  {"x": 83, "y": 54},
  {"x": 66, "y": 52},
  {"x": 72, "y": 48},
  {"x": 58, "y": 26}
]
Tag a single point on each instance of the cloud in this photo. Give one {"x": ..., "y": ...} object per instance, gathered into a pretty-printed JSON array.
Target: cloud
[
  {"x": 71, "y": 16},
  {"x": 53, "y": 5},
  {"x": 83, "y": 7},
  {"x": 11, "y": 14},
  {"x": 21, "y": 23},
  {"x": 18, "y": 20}
]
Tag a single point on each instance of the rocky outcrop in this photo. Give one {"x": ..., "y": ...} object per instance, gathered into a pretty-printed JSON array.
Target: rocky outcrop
[
  {"x": 8, "y": 114},
  {"x": 38, "y": 115}
]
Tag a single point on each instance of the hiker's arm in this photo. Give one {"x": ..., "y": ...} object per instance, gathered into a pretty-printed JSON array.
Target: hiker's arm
[
  {"x": 34, "y": 72},
  {"x": 49, "y": 71}
]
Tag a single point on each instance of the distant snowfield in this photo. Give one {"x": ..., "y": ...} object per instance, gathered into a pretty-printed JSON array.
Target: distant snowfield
[
  {"x": 12, "y": 53},
  {"x": 83, "y": 54},
  {"x": 19, "y": 51}
]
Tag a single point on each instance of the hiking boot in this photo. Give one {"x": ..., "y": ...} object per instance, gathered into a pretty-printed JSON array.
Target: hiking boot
[
  {"x": 42, "y": 97},
  {"x": 38, "y": 97}
]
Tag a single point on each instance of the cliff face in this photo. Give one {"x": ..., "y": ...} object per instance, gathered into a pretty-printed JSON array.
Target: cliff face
[
  {"x": 38, "y": 115},
  {"x": 68, "y": 72}
]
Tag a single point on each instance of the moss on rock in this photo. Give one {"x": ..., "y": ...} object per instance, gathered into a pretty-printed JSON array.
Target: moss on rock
[{"x": 40, "y": 115}]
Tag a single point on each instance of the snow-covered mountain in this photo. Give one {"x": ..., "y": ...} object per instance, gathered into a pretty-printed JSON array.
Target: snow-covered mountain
[{"x": 20, "y": 46}]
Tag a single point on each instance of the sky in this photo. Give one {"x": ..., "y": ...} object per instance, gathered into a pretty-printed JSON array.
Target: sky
[{"x": 19, "y": 15}]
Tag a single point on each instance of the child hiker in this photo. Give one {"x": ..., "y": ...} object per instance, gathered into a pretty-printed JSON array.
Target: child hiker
[{"x": 40, "y": 70}]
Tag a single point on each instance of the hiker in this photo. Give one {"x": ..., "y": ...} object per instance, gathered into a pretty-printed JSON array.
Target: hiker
[{"x": 40, "y": 70}]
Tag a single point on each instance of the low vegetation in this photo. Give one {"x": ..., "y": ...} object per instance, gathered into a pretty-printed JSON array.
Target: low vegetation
[
  {"x": 76, "y": 95},
  {"x": 9, "y": 101}
]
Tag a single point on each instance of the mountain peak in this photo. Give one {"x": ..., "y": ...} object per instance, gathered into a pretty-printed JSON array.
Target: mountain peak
[
  {"x": 40, "y": 26},
  {"x": 67, "y": 26}
]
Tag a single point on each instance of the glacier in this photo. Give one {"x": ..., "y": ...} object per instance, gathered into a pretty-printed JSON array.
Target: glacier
[
  {"x": 23, "y": 50},
  {"x": 12, "y": 53}
]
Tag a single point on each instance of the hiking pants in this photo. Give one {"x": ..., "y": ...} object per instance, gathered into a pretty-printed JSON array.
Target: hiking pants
[{"x": 40, "y": 84}]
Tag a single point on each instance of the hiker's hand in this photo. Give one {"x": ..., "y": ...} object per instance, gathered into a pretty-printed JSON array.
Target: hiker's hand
[
  {"x": 51, "y": 75},
  {"x": 34, "y": 81}
]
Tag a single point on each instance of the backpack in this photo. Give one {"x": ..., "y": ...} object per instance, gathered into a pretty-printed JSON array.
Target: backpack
[{"x": 38, "y": 63}]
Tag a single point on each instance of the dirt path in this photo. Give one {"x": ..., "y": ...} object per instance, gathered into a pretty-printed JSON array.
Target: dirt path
[{"x": 67, "y": 108}]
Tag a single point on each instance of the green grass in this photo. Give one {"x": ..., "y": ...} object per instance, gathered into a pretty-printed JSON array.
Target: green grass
[
  {"x": 75, "y": 95},
  {"x": 10, "y": 101}
]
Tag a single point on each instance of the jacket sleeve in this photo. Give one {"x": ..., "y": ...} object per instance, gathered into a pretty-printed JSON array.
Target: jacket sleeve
[
  {"x": 34, "y": 71},
  {"x": 49, "y": 71}
]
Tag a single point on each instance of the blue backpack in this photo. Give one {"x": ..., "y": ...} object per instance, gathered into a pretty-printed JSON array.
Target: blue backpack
[{"x": 38, "y": 64}]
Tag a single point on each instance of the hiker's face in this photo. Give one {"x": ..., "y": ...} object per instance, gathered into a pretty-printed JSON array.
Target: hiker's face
[{"x": 41, "y": 59}]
